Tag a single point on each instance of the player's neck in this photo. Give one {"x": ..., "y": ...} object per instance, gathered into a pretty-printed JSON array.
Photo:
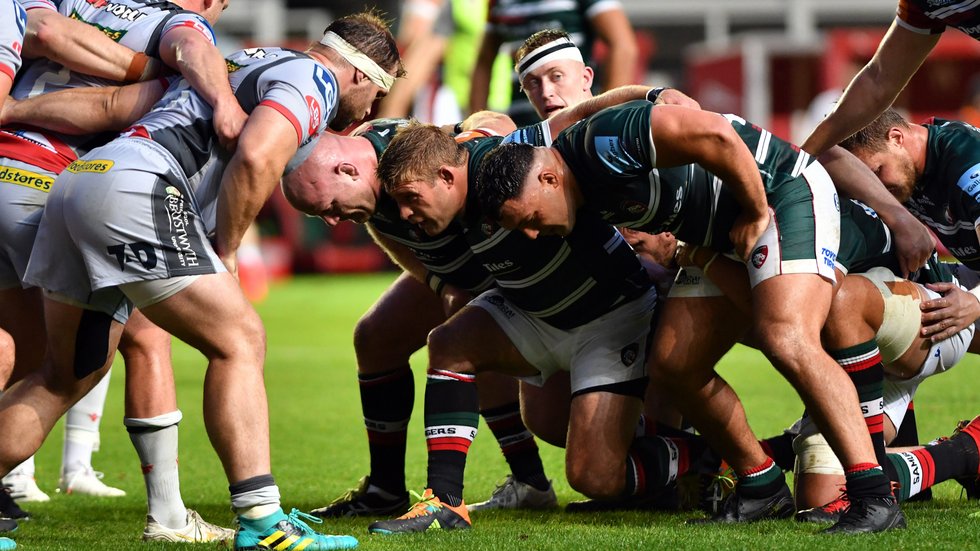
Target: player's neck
[{"x": 916, "y": 144}]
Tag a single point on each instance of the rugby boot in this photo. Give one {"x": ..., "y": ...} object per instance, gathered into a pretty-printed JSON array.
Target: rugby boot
[
  {"x": 7, "y": 525},
  {"x": 428, "y": 514},
  {"x": 970, "y": 483},
  {"x": 514, "y": 494},
  {"x": 197, "y": 530},
  {"x": 7, "y": 544},
  {"x": 869, "y": 514},
  {"x": 738, "y": 508},
  {"x": 362, "y": 501},
  {"x": 828, "y": 513},
  {"x": 9, "y": 508},
  {"x": 284, "y": 532}
]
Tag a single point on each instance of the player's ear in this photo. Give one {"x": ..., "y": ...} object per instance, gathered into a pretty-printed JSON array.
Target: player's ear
[
  {"x": 348, "y": 169},
  {"x": 549, "y": 178},
  {"x": 446, "y": 175},
  {"x": 589, "y": 75},
  {"x": 896, "y": 136}
]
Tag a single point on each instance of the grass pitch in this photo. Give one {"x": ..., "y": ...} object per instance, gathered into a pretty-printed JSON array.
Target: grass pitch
[{"x": 319, "y": 449}]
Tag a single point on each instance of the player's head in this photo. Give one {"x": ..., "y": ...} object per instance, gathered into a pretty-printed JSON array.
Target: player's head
[
  {"x": 363, "y": 42},
  {"x": 212, "y": 9},
  {"x": 424, "y": 170},
  {"x": 883, "y": 146},
  {"x": 523, "y": 188},
  {"x": 552, "y": 72},
  {"x": 332, "y": 184}
]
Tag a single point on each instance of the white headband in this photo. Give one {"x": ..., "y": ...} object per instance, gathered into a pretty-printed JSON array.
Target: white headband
[
  {"x": 563, "y": 48},
  {"x": 357, "y": 58}
]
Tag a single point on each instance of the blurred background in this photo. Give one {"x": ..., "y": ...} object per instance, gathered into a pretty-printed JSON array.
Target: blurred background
[{"x": 778, "y": 63}]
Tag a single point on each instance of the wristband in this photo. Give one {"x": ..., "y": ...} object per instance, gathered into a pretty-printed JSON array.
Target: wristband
[
  {"x": 136, "y": 67},
  {"x": 654, "y": 93},
  {"x": 435, "y": 283}
]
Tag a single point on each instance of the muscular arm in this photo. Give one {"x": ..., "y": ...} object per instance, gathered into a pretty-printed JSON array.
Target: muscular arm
[
  {"x": 83, "y": 111},
  {"x": 682, "y": 136},
  {"x": 83, "y": 48},
  {"x": 570, "y": 115},
  {"x": 854, "y": 179},
  {"x": 265, "y": 146},
  {"x": 200, "y": 62},
  {"x": 874, "y": 88},
  {"x": 480, "y": 85},
  {"x": 614, "y": 28},
  {"x": 489, "y": 120}
]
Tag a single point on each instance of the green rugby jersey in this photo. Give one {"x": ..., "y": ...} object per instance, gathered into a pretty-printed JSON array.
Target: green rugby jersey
[
  {"x": 446, "y": 256},
  {"x": 565, "y": 282},
  {"x": 947, "y": 195}
]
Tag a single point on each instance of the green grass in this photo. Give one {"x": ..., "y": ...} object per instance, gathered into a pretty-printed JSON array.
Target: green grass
[{"x": 319, "y": 449}]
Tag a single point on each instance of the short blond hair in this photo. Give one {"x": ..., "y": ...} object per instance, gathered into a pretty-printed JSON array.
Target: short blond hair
[{"x": 416, "y": 153}]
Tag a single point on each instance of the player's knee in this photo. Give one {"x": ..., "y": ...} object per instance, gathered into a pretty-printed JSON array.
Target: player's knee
[
  {"x": 788, "y": 347},
  {"x": 372, "y": 344},
  {"x": 592, "y": 478},
  {"x": 147, "y": 343},
  {"x": 444, "y": 352}
]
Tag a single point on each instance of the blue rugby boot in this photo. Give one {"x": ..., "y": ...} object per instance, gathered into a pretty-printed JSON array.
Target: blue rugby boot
[{"x": 284, "y": 532}]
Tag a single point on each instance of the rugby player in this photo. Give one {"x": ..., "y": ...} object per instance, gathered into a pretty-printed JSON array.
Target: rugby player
[
  {"x": 116, "y": 257},
  {"x": 581, "y": 304},
  {"x": 607, "y": 163},
  {"x": 933, "y": 170},
  {"x": 168, "y": 32}
]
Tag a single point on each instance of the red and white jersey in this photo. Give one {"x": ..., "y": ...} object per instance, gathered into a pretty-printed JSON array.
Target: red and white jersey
[
  {"x": 13, "y": 22},
  {"x": 294, "y": 84},
  {"x": 933, "y": 16},
  {"x": 137, "y": 24}
]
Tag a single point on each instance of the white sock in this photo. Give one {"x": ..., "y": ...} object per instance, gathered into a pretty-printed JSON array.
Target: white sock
[
  {"x": 82, "y": 429},
  {"x": 155, "y": 440},
  {"x": 24, "y": 469}
]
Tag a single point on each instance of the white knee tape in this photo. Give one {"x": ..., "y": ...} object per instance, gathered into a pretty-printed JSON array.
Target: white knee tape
[{"x": 814, "y": 456}]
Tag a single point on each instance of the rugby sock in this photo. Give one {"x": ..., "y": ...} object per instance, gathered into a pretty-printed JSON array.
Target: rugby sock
[
  {"x": 907, "y": 436},
  {"x": 862, "y": 363},
  {"x": 653, "y": 462},
  {"x": 921, "y": 469},
  {"x": 517, "y": 444},
  {"x": 255, "y": 498},
  {"x": 780, "y": 449},
  {"x": 155, "y": 440},
  {"x": 386, "y": 402},
  {"x": 82, "y": 429},
  {"x": 908, "y": 433},
  {"x": 451, "y": 419},
  {"x": 762, "y": 481},
  {"x": 24, "y": 469},
  {"x": 867, "y": 480}
]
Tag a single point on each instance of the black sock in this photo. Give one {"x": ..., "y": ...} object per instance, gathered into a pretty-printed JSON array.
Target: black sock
[
  {"x": 451, "y": 419},
  {"x": 517, "y": 444},
  {"x": 386, "y": 402},
  {"x": 780, "y": 449}
]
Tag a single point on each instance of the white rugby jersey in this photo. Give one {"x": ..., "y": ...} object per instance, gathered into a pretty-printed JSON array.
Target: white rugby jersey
[
  {"x": 14, "y": 22},
  {"x": 137, "y": 24},
  {"x": 303, "y": 91}
]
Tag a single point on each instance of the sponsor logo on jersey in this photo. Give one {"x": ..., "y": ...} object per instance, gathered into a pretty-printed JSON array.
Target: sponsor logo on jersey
[
  {"x": 125, "y": 13},
  {"x": 963, "y": 251},
  {"x": 232, "y": 66},
  {"x": 99, "y": 166},
  {"x": 26, "y": 178},
  {"x": 325, "y": 84},
  {"x": 498, "y": 266},
  {"x": 114, "y": 34},
  {"x": 315, "y": 114},
  {"x": 759, "y": 256},
  {"x": 629, "y": 353},
  {"x": 969, "y": 182},
  {"x": 634, "y": 207},
  {"x": 612, "y": 154},
  {"x": 829, "y": 257},
  {"x": 179, "y": 221}
]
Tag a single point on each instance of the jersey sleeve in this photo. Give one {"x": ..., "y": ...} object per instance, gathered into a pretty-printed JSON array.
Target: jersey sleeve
[
  {"x": 961, "y": 164},
  {"x": 537, "y": 134},
  {"x": 302, "y": 91},
  {"x": 192, "y": 21},
  {"x": 912, "y": 16},
  {"x": 37, "y": 4},
  {"x": 11, "y": 36},
  {"x": 618, "y": 139}
]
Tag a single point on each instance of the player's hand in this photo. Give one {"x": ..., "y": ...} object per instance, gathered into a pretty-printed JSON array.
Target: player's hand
[
  {"x": 949, "y": 314},
  {"x": 453, "y": 299},
  {"x": 683, "y": 255},
  {"x": 913, "y": 242},
  {"x": 670, "y": 96},
  {"x": 747, "y": 230},
  {"x": 229, "y": 119}
]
